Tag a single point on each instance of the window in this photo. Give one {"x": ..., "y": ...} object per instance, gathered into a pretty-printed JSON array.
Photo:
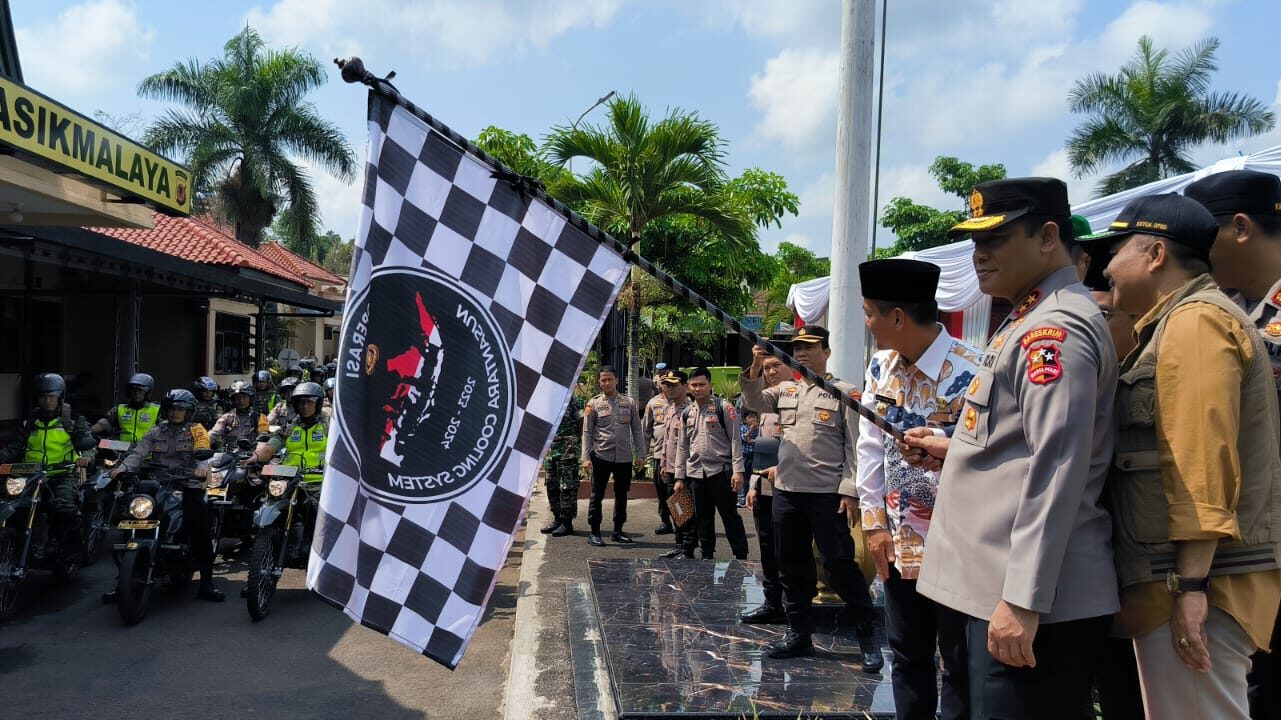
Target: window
[{"x": 231, "y": 344}]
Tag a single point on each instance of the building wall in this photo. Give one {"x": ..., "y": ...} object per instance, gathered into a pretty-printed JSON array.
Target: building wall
[
  {"x": 228, "y": 307},
  {"x": 171, "y": 341},
  {"x": 89, "y": 339}
]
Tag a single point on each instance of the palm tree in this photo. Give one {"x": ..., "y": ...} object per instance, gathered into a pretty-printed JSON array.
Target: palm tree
[
  {"x": 1153, "y": 113},
  {"x": 644, "y": 172},
  {"x": 245, "y": 116}
]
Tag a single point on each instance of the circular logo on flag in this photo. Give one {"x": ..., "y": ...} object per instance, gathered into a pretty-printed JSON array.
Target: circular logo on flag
[{"x": 426, "y": 390}]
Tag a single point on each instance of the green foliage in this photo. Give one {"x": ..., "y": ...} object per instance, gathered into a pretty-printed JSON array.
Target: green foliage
[
  {"x": 338, "y": 259},
  {"x": 244, "y": 118},
  {"x": 792, "y": 264},
  {"x": 519, "y": 152},
  {"x": 1152, "y": 113},
  {"x": 919, "y": 227}
]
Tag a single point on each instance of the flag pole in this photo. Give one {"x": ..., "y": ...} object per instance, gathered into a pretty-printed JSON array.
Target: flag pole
[{"x": 354, "y": 71}]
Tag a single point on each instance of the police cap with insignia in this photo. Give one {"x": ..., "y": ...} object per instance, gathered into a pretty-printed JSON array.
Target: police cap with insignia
[
  {"x": 811, "y": 334},
  {"x": 1238, "y": 191},
  {"x": 899, "y": 280},
  {"x": 1169, "y": 215},
  {"x": 998, "y": 202},
  {"x": 674, "y": 377}
]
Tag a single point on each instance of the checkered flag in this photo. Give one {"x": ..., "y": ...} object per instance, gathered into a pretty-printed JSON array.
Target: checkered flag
[{"x": 471, "y": 308}]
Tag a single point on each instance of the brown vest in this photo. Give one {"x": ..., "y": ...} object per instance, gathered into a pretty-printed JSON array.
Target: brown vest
[{"x": 1140, "y": 513}]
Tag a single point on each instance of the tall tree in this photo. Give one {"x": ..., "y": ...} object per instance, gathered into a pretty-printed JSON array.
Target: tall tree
[
  {"x": 918, "y": 226},
  {"x": 245, "y": 118},
  {"x": 1152, "y": 114},
  {"x": 793, "y": 264},
  {"x": 644, "y": 172}
]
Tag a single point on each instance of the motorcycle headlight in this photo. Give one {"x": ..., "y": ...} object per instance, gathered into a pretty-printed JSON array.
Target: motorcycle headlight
[
  {"x": 141, "y": 507},
  {"x": 276, "y": 488},
  {"x": 215, "y": 479},
  {"x": 15, "y": 485}
]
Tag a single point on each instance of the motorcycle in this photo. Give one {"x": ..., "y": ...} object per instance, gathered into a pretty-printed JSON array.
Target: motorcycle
[
  {"x": 26, "y": 538},
  {"x": 100, "y": 498},
  {"x": 285, "y": 522},
  {"x": 228, "y": 494},
  {"x": 154, "y": 545}
]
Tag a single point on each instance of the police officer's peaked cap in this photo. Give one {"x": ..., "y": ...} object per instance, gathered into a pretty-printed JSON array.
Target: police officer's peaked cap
[
  {"x": 1238, "y": 191},
  {"x": 812, "y": 334},
  {"x": 997, "y": 203},
  {"x": 1170, "y": 215},
  {"x": 899, "y": 280},
  {"x": 674, "y": 377}
]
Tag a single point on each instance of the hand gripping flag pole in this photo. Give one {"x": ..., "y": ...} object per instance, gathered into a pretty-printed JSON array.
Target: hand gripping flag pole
[{"x": 353, "y": 71}]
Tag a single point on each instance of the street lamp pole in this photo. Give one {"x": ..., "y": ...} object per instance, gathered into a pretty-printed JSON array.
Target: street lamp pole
[{"x": 574, "y": 125}]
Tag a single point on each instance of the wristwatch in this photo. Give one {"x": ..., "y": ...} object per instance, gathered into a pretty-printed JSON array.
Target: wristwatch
[{"x": 1178, "y": 585}]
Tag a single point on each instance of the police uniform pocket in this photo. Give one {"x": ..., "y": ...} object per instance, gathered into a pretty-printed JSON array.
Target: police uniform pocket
[
  {"x": 827, "y": 413},
  {"x": 787, "y": 405},
  {"x": 972, "y": 427},
  {"x": 160, "y": 446}
]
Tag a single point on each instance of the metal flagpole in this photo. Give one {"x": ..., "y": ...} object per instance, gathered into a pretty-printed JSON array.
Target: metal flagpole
[{"x": 353, "y": 71}]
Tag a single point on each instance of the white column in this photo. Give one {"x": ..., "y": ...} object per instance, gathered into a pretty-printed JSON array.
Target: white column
[{"x": 850, "y": 216}]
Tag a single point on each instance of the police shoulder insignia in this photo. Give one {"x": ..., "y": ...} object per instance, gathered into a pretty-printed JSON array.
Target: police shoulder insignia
[
  {"x": 1029, "y": 302},
  {"x": 729, "y": 410},
  {"x": 199, "y": 437},
  {"x": 855, "y": 395},
  {"x": 971, "y": 418},
  {"x": 1043, "y": 333},
  {"x": 1043, "y": 366}
]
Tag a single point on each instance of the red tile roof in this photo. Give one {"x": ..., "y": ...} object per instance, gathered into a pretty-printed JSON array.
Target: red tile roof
[
  {"x": 201, "y": 240},
  {"x": 286, "y": 258}
]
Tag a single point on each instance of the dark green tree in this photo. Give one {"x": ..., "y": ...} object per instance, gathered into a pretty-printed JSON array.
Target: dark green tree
[
  {"x": 918, "y": 226},
  {"x": 244, "y": 119},
  {"x": 793, "y": 264},
  {"x": 1153, "y": 113}
]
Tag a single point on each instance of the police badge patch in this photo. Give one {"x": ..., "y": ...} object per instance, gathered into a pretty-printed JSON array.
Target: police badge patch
[{"x": 1043, "y": 366}]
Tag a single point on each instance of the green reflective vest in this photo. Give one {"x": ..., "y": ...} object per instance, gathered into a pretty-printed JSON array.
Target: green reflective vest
[
  {"x": 135, "y": 423},
  {"x": 49, "y": 443},
  {"x": 306, "y": 448}
]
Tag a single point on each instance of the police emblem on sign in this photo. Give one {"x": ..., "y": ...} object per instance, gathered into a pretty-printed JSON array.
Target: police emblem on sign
[{"x": 427, "y": 390}]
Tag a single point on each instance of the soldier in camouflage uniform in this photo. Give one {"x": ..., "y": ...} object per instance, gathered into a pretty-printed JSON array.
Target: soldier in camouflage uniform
[{"x": 561, "y": 467}]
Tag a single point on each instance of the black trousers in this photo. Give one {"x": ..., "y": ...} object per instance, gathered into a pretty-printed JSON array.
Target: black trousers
[
  {"x": 1058, "y": 687},
  {"x": 802, "y": 520},
  {"x": 663, "y": 490},
  {"x": 1117, "y": 679},
  {"x": 713, "y": 495},
  {"x": 195, "y": 521},
  {"x": 915, "y": 625},
  {"x": 763, "y": 513},
  {"x": 1264, "y": 679},
  {"x": 601, "y": 473}
]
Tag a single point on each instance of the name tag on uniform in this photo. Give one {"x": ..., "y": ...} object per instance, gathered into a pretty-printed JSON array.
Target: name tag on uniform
[{"x": 605, "y": 411}]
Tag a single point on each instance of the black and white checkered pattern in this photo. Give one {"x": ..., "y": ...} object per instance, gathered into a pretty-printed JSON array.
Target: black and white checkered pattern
[{"x": 423, "y": 573}]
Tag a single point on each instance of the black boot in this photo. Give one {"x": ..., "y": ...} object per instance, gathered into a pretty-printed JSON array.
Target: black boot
[
  {"x": 767, "y": 614},
  {"x": 565, "y": 528},
  {"x": 873, "y": 660},
  {"x": 551, "y": 527},
  {"x": 792, "y": 645},
  {"x": 207, "y": 591}
]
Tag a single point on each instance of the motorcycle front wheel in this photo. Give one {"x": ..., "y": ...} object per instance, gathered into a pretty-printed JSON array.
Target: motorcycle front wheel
[
  {"x": 132, "y": 589},
  {"x": 261, "y": 584},
  {"x": 10, "y": 583}
]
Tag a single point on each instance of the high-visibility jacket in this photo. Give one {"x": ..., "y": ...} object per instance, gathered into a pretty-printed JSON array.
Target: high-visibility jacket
[{"x": 306, "y": 446}]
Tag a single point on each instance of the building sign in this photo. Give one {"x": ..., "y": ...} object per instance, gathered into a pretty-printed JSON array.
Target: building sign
[{"x": 34, "y": 124}]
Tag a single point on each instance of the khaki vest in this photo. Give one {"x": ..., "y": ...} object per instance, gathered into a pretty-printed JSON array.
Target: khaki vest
[{"x": 1144, "y": 552}]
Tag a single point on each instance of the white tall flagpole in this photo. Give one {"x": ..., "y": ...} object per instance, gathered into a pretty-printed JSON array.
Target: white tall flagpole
[{"x": 850, "y": 216}]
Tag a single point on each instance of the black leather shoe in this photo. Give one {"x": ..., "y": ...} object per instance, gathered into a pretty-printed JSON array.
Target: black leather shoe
[
  {"x": 622, "y": 538},
  {"x": 595, "y": 540},
  {"x": 550, "y": 527},
  {"x": 664, "y": 529},
  {"x": 210, "y": 593},
  {"x": 792, "y": 645},
  {"x": 109, "y": 598},
  {"x": 873, "y": 660},
  {"x": 563, "y": 529},
  {"x": 766, "y": 614},
  {"x": 672, "y": 554}
]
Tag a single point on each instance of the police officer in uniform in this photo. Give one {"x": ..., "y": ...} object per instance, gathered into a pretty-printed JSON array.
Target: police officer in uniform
[
  {"x": 760, "y": 498},
  {"x": 305, "y": 439},
  {"x": 264, "y": 393},
  {"x": 1019, "y": 541},
  {"x": 710, "y": 457},
  {"x": 131, "y": 420},
  {"x": 676, "y": 390},
  {"x": 208, "y": 407},
  {"x": 561, "y": 470},
  {"x": 612, "y": 446},
  {"x": 53, "y": 436},
  {"x": 283, "y": 414},
  {"x": 173, "y": 445},
  {"x": 1246, "y": 257},
  {"x": 242, "y": 422},
  {"x": 815, "y": 495},
  {"x": 328, "y": 409},
  {"x": 652, "y": 423}
]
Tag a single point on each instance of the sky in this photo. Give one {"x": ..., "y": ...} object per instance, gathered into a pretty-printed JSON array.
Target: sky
[{"x": 982, "y": 80}]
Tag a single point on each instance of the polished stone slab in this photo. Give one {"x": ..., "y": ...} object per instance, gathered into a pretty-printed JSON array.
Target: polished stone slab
[{"x": 673, "y": 646}]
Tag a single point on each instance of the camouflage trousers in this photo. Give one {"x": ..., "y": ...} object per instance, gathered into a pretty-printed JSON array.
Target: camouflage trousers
[{"x": 562, "y": 485}]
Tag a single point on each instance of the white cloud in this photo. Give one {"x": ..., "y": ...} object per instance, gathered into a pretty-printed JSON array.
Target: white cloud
[
  {"x": 339, "y": 202},
  {"x": 449, "y": 34},
  {"x": 802, "y": 22},
  {"x": 796, "y": 94},
  {"x": 1056, "y": 165},
  {"x": 96, "y": 48},
  {"x": 799, "y": 240}
]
